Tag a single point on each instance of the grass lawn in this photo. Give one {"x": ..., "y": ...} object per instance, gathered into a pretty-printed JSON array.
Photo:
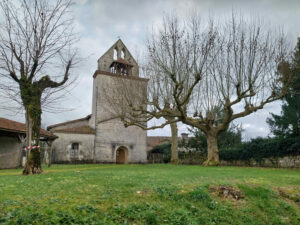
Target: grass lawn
[{"x": 149, "y": 194}]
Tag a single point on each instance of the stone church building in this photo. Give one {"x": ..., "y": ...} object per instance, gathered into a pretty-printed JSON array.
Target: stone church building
[{"x": 101, "y": 137}]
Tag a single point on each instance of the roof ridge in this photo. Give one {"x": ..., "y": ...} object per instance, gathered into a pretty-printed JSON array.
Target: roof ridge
[
  {"x": 70, "y": 121},
  {"x": 86, "y": 129}
]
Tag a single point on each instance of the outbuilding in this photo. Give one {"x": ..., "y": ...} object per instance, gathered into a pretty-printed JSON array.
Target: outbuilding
[{"x": 12, "y": 142}]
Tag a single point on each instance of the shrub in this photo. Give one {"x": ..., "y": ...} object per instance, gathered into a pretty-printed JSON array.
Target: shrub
[
  {"x": 260, "y": 148},
  {"x": 164, "y": 149}
]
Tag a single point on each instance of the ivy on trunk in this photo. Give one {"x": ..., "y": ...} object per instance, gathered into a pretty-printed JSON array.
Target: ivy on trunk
[
  {"x": 31, "y": 94},
  {"x": 35, "y": 35}
]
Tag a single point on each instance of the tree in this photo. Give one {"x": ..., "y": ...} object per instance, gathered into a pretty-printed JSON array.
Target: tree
[
  {"x": 288, "y": 123},
  {"x": 172, "y": 54},
  {"x": 227, "y": 139},
  {"x": 195, "y": 71},
  {"x": 36, "y": 40}
]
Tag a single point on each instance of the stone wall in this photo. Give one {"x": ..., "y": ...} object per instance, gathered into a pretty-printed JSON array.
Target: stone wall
[
  {"x": 112, "y": 134},
  {"x": 284, "y": 162},
  {"x": 62, "y": 147},
  {"x": 198, "y": 158},
  {"x": 111, "y": 93},
  {"x": 10, "y": 152}
]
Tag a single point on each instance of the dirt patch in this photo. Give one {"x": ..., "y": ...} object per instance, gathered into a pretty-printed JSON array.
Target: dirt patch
[
  {"x": 227, "y": 192},
  {"x": 291, "y": 193},
  {"x": 144, "y": 192}
]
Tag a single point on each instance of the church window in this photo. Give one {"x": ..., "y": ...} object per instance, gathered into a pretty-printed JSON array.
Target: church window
[
  {"x": 115, "y": 54},
  {"x": 123, "y": 71},
  {"x": 74, "y": 150},
  {"x": 123, "y": 54}
]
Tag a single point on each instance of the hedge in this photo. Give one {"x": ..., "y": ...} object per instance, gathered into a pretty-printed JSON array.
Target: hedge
[{"x": 260, "y": 148}]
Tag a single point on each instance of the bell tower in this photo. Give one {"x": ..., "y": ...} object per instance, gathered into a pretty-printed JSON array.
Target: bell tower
[
  {"x": 112, "y": 139},
  {"x": 118, "y": 60}
]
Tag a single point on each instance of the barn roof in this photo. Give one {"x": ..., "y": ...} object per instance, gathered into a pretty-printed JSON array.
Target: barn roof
[{"x": 12, "y": 126}]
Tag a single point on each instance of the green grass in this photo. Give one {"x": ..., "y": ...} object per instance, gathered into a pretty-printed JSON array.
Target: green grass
[{"x": 149, "y": 194}]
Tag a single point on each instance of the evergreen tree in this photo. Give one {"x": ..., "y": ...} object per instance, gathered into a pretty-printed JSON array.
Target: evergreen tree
[{"x": 288, "y": 123}]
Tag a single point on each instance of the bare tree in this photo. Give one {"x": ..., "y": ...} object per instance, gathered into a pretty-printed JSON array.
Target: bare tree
[
  {"x": 207, "y": 75},
  {"x": 160, "y": 102},
  {"x": 238, "y": 77},
  {"x": 244, "y": 75},
  {"x": 36, "y": 57}
]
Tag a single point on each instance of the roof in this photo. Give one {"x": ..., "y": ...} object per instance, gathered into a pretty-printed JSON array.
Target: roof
[
  {"x": 157, "y": 140},
  {"x": 68, "y": 122},
  {"x": 76, "y": 130},
  {"x": 12, "y": 126},
  {"x": 153, "y": 141},
  {"x": 119, "y": 40}
]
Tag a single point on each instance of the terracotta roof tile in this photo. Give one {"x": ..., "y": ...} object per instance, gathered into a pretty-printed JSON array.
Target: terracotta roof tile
[
  {"x": 157, "y": 140},
  {"x": 17, "y": 127},
  {"x": 76, "y": 130},
  {"x": 153, "y": 141},
  {"x": 68, "y": 122}
]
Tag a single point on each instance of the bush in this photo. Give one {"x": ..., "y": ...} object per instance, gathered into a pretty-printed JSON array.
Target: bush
[
  {"x": 260, "y": 148},
  {"x": 164, "y": 149}
]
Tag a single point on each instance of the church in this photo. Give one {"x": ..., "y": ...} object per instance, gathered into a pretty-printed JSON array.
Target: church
[{"x": 101, "y": 137}]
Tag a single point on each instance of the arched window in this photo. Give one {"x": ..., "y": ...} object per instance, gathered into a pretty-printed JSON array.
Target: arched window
[
  {"x": 115, "y": 57},
  {"x": 123, "y": 71},
  {"x": 123, "y": 54}
]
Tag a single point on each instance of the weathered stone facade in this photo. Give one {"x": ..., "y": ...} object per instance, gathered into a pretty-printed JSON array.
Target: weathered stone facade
[
  {"x": 102, "y": 137},
  {"x": 63, "y": 147}
]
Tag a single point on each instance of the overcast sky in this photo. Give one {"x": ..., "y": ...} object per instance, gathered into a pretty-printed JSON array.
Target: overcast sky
[{"x": 99, "y": 23}]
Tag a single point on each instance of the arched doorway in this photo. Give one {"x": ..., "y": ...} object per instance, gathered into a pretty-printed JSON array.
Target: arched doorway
[{"x": 121, "y": 155}]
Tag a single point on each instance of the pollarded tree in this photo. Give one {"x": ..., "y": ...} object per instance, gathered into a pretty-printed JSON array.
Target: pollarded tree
[
  {"x": 191, "y": 50},
  {"x": 240, "y": 76},
  {"x": 195, "y": 71},
  {"x": 243, "y": 77},
  {"x": 36, "y": 40}
]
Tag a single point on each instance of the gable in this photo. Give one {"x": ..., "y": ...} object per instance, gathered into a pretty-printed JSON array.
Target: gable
[{"x": 118, "y": 53}]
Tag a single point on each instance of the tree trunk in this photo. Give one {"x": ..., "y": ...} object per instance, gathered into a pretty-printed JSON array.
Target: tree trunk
[
  {"x": 212, "y": 150},
  {"x": 33, "y": 158},
  {"x": 174, "y": 146}
]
